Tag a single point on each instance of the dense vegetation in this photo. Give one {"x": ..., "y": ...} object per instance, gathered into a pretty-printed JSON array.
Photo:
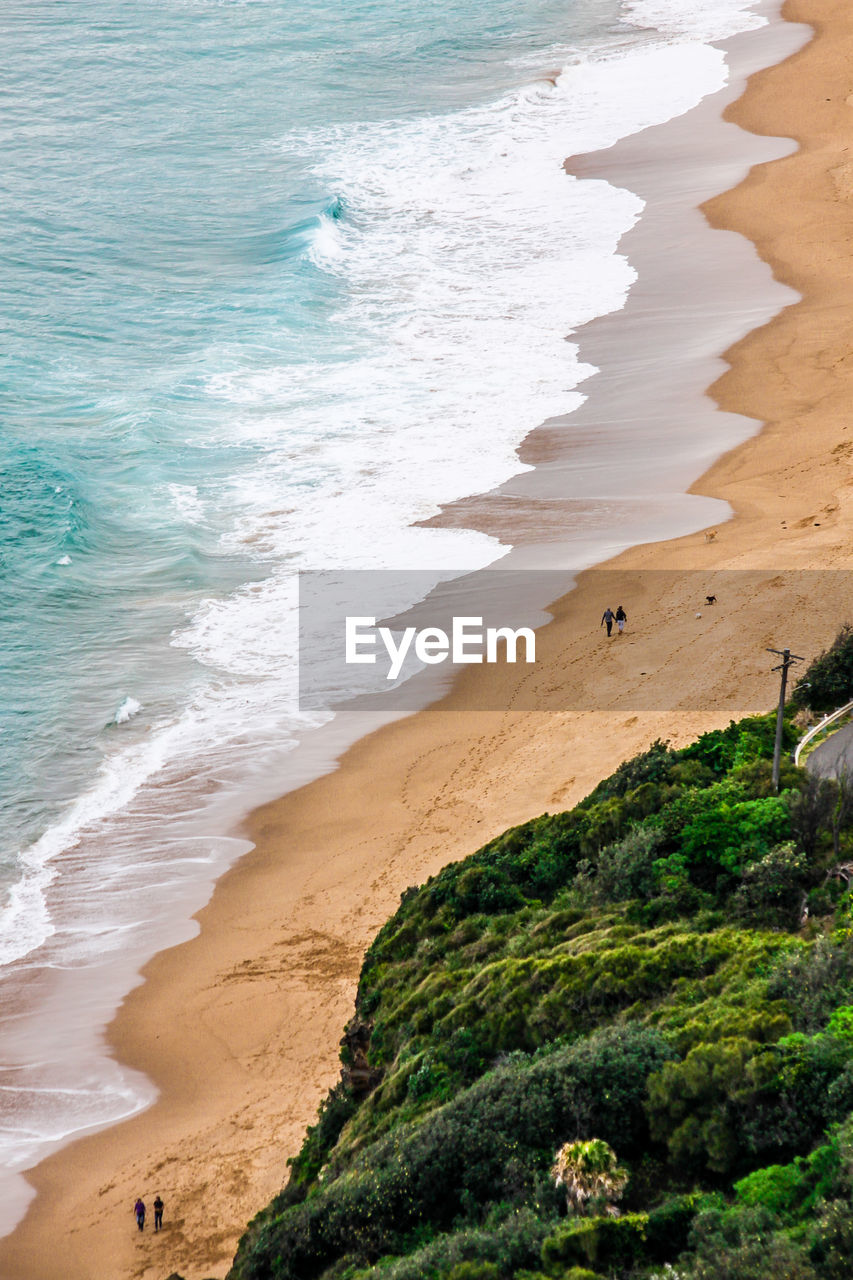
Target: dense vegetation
[
  {"x": 828, "y": 683},
  {"x": 661, "y": 976}
]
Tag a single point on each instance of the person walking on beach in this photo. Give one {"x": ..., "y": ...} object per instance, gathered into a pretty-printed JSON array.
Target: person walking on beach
[
  {"x": 621, "y": 619},
  {"x": 607, "y": 619},
  {"x": 139, "y": 1210},
  {"x": 158, "y": 1213}
]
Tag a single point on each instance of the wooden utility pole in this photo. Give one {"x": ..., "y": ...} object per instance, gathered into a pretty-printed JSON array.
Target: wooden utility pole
[{"x": 788, "y": 660}]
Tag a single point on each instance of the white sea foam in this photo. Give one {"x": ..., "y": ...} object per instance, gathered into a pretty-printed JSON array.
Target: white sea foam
[
  {"x": 462, "y": 242},
  {"x": 128, "y": 709},
  {"x": 696, "y": 18},
  {"x": 326, "y": 243},
  {"x": 211, "y": 732},
  {"x": 25, "y": 921},
  {"x": 185, "y": 499}
]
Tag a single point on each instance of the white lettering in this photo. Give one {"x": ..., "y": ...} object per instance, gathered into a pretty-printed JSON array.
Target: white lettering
[
  {"x": 511, "y": 637},
  {"x": 461, "y": 637},
  {"x": 397, "y": 653},
  {"x": 354, "y": 639},
  {"x": 432, "y": 645}
]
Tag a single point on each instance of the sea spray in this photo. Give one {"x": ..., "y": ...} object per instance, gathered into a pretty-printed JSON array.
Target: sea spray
[{"x": 128, "y": 709}]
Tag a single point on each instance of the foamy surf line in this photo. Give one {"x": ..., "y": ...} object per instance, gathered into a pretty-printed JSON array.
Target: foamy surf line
[
  {"x": 182, "y": 859},
  {"x": 248, "y": 636}
]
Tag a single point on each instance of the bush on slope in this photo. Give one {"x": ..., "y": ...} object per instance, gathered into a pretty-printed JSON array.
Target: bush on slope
[{"x": 635, "y": 970}]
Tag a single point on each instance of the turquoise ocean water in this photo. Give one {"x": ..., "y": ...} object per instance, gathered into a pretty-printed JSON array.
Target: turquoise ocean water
[
  {"x": 266, "y": 274},
  {"x": 158, "y": 234},
  {"x": 163, "y": 231}
]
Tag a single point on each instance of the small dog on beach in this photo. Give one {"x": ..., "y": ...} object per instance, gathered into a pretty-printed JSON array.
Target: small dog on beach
[
  {"x": 711, "y": 535},
  {"x": 710, "y": 599}
]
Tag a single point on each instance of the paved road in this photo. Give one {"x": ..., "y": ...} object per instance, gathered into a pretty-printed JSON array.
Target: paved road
[{"x": 833, "y": 756}]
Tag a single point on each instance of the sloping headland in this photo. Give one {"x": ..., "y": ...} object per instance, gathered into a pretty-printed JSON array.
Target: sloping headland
[
  {"x": 239, "y": 1027},
  {"x": 613, "y": 1041}
]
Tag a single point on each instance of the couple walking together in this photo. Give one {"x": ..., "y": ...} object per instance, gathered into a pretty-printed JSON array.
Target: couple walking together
[
  {"x": 139, "y": 1210},
  {"x": 620, "y": 617}
]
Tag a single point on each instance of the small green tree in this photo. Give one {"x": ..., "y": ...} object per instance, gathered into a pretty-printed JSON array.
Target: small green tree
[
  {"x": 592, "y": 1177},
  {"x": 771, "y": 891},
  {"x": 842, "y": 809},
  {"x": 811, "y": 808},
  {"x": 828, "y": 682},
  {"x": 474, "y": 1270}
]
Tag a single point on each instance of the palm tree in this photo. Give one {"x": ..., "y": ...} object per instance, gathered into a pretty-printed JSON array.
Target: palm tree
[{"x": 591, "y": 1176}]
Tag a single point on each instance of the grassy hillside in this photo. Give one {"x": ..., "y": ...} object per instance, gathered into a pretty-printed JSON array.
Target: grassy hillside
[{"x": 666, "y": 968}]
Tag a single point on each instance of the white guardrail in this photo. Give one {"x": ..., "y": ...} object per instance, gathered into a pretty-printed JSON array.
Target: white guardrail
[{"x": 816, "y": 729}]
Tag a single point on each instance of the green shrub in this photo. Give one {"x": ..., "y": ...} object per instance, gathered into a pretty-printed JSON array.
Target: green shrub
[
  {"x": 797, "y": 1088},
  {"x": 832, "y": 1240},
  {"x": 573, "y": 1273},
  {"x": 771, "y": 892},
  {"x": 335, "y": 1110},
  {"x": 828, "y": 682},
  {"x": 744, "y": 1244},
  {"x": 668, "y": 1226},
  {"x": 591, "y": 974},
  {"x": 733, "y": 1100},
  {"x": 778, "y": 1188},
  {"x": 429, "y": 1080},
  {"x": 841, "y": 1023},
  {"x": 690, "y": 1104},
  {"x": 598, "y": 1242},
  {"x": 473, "y": 1271},
  {"x": 811, "y": 807},
  {"x": 730, "y": 834},
  {"x": 486, "y": 889},
  {"x": 724, "y": 749},
  {"x": 512, "y": 1244},
  {"x": 654, "y": 765},
  {"x": 489, "y": 1144},
  {"x": 627, "y": 869},
  {"x": 813, "y": 980}
]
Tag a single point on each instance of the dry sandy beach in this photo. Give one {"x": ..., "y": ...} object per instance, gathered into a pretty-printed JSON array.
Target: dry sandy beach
[{"x": 239, "y": 1028}]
